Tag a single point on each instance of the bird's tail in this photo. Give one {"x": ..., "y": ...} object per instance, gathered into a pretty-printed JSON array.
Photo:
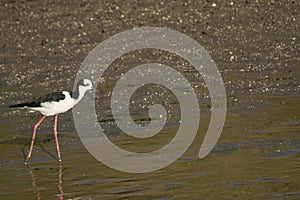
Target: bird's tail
[{"x": 19, "y": 105}]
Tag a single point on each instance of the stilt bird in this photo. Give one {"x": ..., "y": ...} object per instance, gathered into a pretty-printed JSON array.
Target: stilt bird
[{"x": 54, "y": 104}]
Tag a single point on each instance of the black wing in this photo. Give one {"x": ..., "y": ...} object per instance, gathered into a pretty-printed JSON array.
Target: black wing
[{"x": 55, "y": 96}]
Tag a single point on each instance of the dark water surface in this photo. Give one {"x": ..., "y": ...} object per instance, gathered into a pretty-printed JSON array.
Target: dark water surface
[{"x": 257, "y": 157}]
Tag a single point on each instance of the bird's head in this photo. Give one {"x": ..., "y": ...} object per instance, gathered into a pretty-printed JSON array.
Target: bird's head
[{"x": 85, "y": 84}]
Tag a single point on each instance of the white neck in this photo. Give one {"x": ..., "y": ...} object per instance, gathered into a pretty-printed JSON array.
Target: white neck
[{"x": 82, "y": 91}]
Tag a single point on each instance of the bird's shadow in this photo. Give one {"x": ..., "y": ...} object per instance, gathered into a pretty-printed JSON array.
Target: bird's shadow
[
  {"x": 26, "y": 141},
  {"x": 40, "y": 144}
]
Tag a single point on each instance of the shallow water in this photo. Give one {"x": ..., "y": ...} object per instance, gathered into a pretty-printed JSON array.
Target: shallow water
[{"x": 257, "y": 157}]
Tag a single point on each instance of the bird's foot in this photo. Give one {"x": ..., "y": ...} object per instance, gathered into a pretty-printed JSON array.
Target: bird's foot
[{"x": 26, "y": 161}]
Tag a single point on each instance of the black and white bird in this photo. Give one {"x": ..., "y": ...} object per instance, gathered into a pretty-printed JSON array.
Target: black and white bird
[{"x": 54, "y": 104}]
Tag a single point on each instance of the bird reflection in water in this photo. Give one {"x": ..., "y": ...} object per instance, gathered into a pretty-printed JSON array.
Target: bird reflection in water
[{"x": 37, "y": 190}]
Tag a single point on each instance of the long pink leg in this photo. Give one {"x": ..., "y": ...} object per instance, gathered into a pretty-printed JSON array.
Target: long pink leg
[
  {"x": 56, "y": 139},
  {"x": 33, "y": 137}
]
